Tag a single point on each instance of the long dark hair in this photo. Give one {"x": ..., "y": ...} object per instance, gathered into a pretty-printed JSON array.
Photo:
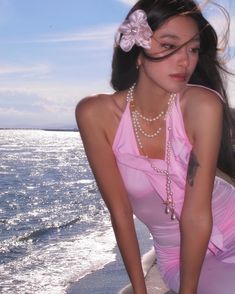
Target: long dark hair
[{"x": 209, "y": 71}]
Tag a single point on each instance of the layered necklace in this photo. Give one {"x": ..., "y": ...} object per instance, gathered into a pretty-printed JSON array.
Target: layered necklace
[{"x": 136, "y": 119}]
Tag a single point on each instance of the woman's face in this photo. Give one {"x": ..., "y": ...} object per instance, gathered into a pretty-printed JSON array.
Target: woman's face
[{"x": 173, "y": 72}]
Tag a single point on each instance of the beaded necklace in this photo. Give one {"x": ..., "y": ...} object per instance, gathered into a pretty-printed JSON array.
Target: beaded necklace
[
  {"x": 169, "y": 202},
  {"x": 137, "y": 115}
]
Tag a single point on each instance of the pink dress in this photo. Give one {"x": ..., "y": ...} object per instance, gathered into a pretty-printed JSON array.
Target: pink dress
[{"x": 146, "y": 192}]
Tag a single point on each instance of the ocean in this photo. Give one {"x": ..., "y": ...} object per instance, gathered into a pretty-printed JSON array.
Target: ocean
[{"x": 54, "y": 226}]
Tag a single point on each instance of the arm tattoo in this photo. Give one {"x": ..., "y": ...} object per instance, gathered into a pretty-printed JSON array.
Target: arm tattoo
[{"x": 192, "y": 168}]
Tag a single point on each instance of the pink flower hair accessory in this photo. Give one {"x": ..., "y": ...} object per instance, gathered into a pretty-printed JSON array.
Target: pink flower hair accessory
[{"x": 134, "y": 31}]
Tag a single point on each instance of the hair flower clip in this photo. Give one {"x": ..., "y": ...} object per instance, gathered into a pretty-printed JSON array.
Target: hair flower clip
[{"x": 134, "y": 30}]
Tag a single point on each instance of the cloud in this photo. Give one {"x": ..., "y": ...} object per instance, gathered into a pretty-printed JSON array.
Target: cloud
[
  {"x": 94, "y": 38},
  {"x": 52, "y": 92},
  {"x": 44, "y": 105},
  {"x": 22, "y": 69},
  {"x": 20, "y": 101},
  {"x": 220, "y": 24},
  {"x": 24, "y": 109},
  {"x": 100, "y": 33},
  {"x": 232, "y": 31},
  {"x": 26, "y": 119},
  {"x": 219, "y": 18},
  {"x": 128, "y": 2}
]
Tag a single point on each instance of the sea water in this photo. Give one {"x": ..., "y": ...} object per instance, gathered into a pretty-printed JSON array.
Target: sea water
[{"x": 53, "y": 222}]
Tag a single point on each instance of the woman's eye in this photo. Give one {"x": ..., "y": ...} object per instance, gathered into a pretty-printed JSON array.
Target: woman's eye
[
  {"x": 195, "y": 50},
  {"x": 168, "y": 46}
]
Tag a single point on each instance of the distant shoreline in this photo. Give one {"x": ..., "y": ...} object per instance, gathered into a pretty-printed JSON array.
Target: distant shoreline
[
  {"x": 75, "y": 129},
  {"x": 41, "y": 129}
]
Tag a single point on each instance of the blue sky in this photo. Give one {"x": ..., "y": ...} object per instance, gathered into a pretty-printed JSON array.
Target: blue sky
[{"x": 54, "y": 52}]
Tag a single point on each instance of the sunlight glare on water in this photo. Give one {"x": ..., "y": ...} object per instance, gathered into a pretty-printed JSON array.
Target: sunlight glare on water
[{"x": 54, "y": 226}]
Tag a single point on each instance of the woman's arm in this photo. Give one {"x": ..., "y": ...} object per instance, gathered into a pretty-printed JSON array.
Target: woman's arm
[
  {"x": 93, "y": 121},
  {"x": 205, "y": 123}
]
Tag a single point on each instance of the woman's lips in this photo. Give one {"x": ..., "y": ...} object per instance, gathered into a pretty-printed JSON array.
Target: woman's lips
[{"x": 179, "y": 77}]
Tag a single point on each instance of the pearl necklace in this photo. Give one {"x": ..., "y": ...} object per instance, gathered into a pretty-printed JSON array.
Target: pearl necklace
[
  {"x": 148, "y": 119},
  {"x": 138, "y": 126},
  {"x": 169, "y": 202},
  {"x": 137, "y": 115}
]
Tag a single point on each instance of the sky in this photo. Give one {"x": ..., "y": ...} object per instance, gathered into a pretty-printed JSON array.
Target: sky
[{"x": 54, "y": 52}]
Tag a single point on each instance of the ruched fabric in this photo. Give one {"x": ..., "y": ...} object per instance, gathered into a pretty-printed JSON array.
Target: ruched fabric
[{"x": 146, "y": 192}]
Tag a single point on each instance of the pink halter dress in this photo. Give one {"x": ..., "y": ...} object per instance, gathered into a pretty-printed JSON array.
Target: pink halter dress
[{"x": 147, "y": 191}]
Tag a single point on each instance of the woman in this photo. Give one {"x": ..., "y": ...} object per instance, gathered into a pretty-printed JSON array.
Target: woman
[{"x": 154, "y": 146}]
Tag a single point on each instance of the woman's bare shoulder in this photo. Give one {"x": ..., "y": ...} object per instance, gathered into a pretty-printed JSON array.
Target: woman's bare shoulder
[
  {"x": 99, "y": 108},
  {"x": 91, "y": 104},
  {"x": 200, "y": 107},
  {"x": 200, "y": 99}
]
